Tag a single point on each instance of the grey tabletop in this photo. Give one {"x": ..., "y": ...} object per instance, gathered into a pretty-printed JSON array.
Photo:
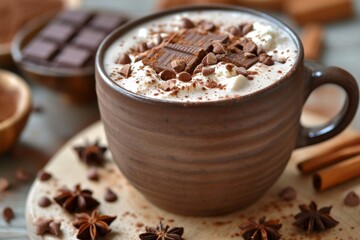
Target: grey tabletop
[{"x": 47, "y": 130}]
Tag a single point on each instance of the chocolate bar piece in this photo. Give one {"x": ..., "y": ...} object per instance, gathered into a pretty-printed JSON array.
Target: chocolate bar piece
[
  {"x": 72, "y": 56},
  {"x": 89, "y": 38},
  {"x": 239, "y": 59},
  {"x": 107, "y": 22},
  {"x": 40, "y": 49},
  {"x": 58, "y": 32}
]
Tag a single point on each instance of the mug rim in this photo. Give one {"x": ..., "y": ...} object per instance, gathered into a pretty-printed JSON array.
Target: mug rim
[{"x": 117, "y": 33}]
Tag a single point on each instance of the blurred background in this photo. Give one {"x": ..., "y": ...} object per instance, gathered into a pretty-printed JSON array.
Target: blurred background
[{"x": 330, "y": 31}]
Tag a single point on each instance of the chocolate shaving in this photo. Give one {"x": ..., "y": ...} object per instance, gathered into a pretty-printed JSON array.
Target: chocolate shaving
[
  {"x": 123, "y": 59},
  {"x": 125, "y": 70}
]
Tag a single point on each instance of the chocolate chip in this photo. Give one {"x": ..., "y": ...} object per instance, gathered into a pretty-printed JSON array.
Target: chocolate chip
[
  {"x": 235, "y": 31},
  {"x": 287, "y": 194},
  {"x": 43, "y": 176},
  {"x": 123, "y": 59},
  {"x": 198, "y": 68},
  {"x": 206, "y": 71},
  {"x": 268, "y": 61},
  {"x": 262, "y": 57},
  {"x": 54, "y": 228},
  {"x": 209, "y": 59},
  {"x": 246, "y": 28},
  {"x": 218, "y": 48},
  {"x": 92, "y": 174},
  {"x": 242, "y": 71},
  {"x": 110, "y": 196},
  {"x": 4, "y": 185},
  {"x": 352, "y": 199},
  {"x": 143, "y": 47},
  {"x": 22, "y": 175},
  {"x": 250, "y": 47},
  {"x": 207, "y": 26},
  {"x": 44, "y": 202},
  {"x": 125, "y": 70},
  {"x": 184, "y": 77},
  {"x": 8, "y": 214},
  {"x": 43, "y": 226},
  {"x": 167, "y": 75},
  {"x": 187, "y": 23},
  {"x": 211, "y": 83},
  {"x": 178, "y": 65},
  {"x": 157, "y": 39}
]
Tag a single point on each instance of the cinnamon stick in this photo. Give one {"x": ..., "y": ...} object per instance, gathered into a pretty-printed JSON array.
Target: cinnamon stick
[
  {"x": 326, "y": 160},
  {"x": 337, "y": 174},
  {"x": 331, "y": 156}
]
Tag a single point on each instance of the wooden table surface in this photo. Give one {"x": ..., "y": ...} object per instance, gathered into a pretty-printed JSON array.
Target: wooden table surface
[{"x": 48, "y": 130}]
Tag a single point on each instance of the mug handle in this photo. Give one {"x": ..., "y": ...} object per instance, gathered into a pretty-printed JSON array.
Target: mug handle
[{"x": 316, "y": 77}]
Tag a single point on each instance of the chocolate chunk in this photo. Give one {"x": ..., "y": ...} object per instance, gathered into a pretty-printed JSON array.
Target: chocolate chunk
[
  {"x": 143, "y": 47},
  {"x": 44, "y": 226},
  {"x": 125, "y": 70},
  {"x": 110, "y": 196},
  {"x": 72, "y": 56},
  {"x": 207, "y": 26},
  {"x": 22, "y": 175},
  {"x": 58, "y": 32},
  {"x": 8, "y": 214},
  {"x": 240, "y": 43},
  {"x": 187, "y": 23},
  {"x": 239, "y": 59},
  {"x": 43, "y": 176},
  {"x": 218, "y": 47},
  {"x": 287, "y": 194},
  {"x": 44, "y": 202},
  {"x": 265, "y": 59},
  {"x": 184, "y": 77},
  {"x": 206, "y": 71},
  {"x": 123, "y": 59},
  {"x": 4, "y": 185},
  {"x": 249, "y": 55},
  {"x": 235, "y": 31},
  {"x": 246, "y": 28},
  {"x": 167, "y": 74},
  {"x": 229, "y": 67},
  {"x": 250, "y": 47},
  {"x": 89, "y": 38},
  {"x": 76, "y": 17},
  {"x": 209, "y": 59},
  {"x": 242, "y": 71},
  {"x": 198, "y": 68},
  {"x": 107, "y": 22},
  {"x": 93, "y": 174},
  {"x": 178, "y": 65},
  {"x": 40, "y": 49},
  {"x": 352, "y": 199}
]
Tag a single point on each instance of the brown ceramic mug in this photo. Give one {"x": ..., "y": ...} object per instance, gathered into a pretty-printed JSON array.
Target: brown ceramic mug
[{"x": 210, "y": 158}]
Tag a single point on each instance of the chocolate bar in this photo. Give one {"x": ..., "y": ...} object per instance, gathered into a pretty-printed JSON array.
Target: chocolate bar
[{"x": 71, "y": 39}]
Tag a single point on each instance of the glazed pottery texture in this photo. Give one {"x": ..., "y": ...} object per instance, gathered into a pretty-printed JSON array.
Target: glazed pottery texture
[{"x": 212, "y": 158}]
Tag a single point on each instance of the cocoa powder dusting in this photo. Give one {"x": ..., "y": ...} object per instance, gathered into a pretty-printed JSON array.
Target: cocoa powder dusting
[{"x": 7, "y": 104}]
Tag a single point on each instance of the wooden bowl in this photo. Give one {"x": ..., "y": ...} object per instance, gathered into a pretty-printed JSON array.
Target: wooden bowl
[
  {"x": 77, "y": 85},
  {"x": 15, "y": 105}
]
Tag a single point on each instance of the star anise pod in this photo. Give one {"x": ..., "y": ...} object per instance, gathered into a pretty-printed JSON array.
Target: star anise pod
[
  {"x": 92, "y": 227},
  {"x": 91, "y": 154},
  {"x": 79, "y": 200},
  {"x": 162, "y": 233},
  {"x": 263, "y": 230},
  {"x": 313, "y": 220}
]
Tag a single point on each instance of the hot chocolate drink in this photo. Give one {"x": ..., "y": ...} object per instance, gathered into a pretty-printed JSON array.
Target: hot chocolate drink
[{"x": 197, "y": 56}]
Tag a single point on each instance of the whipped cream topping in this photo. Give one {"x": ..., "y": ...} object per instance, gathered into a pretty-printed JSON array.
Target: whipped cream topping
[{"x": 145, "y": 81}]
